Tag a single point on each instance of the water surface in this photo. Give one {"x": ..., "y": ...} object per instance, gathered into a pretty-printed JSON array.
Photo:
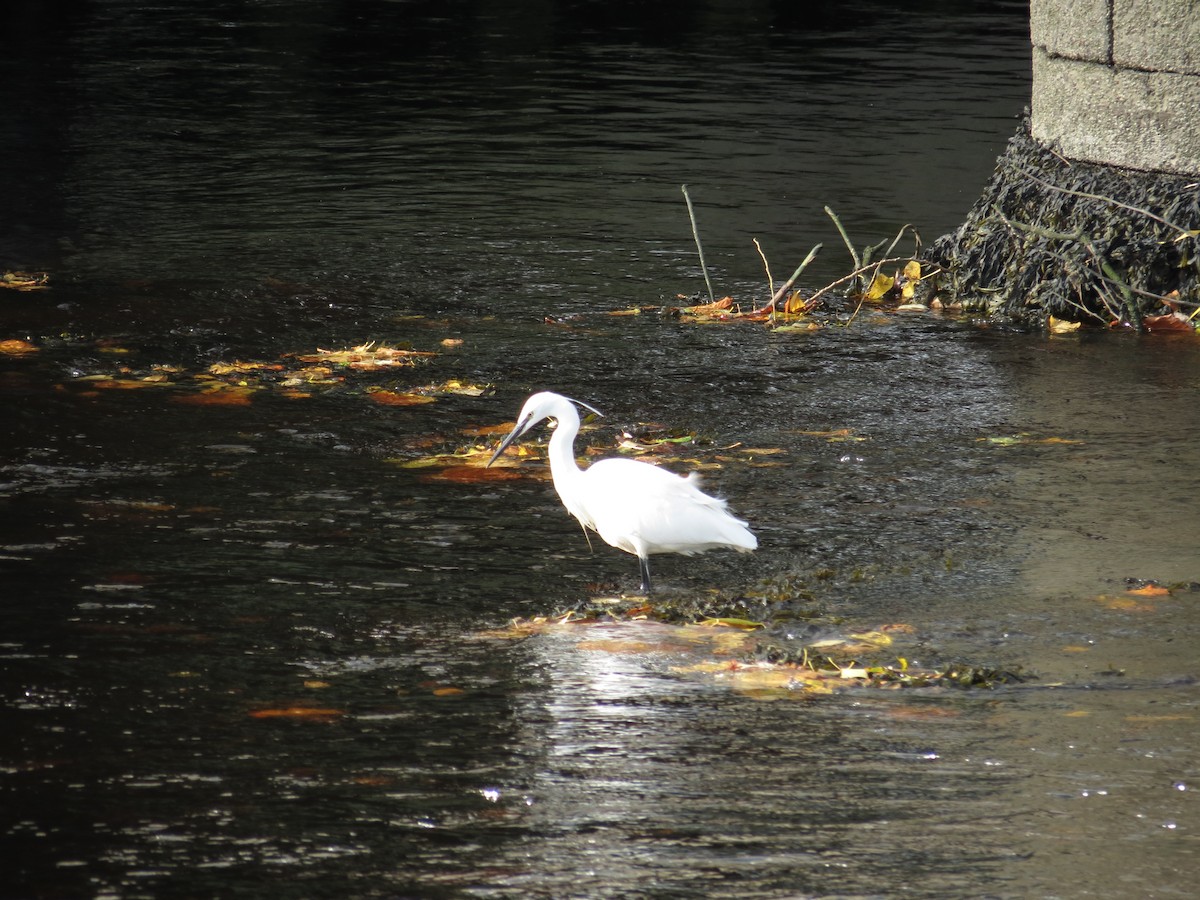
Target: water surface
[{"x": 255, "y": 180}]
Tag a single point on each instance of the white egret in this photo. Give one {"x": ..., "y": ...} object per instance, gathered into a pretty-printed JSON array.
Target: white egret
[{"x": 634, "y": 506}]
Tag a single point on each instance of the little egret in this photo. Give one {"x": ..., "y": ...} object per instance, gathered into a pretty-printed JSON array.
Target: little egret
[{"x": 635, "y": 506}]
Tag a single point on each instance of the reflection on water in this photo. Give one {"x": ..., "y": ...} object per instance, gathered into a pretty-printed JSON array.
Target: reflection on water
[{"x": 241, "y": 647}]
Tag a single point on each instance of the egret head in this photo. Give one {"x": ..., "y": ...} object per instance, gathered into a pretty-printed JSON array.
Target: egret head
[{"x": 543, "y": 405}]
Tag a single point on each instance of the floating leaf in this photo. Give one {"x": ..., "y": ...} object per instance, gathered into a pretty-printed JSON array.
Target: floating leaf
[
  {"x": 1171, "y": 322},
  {"x": 24, "y": 281},
  {"x": 1061, "y": 326},
  {"x": 16, "y": 347},
  {"x": 836, "y": 435},
  {"x": 1025, "y": 438},
  {"x": 472, "y": 474},
  {"x": 243, "y": 368},
  {"x": 367, "y": 356},
  {"x": 879, "y": 288},
  {"x": 398, "y": 398},
  {"x": 717, "y": 308},
  {"x": 109, "y": 383},
  {"x": 454, "y": 386},
  {"x": 314, "y": 713},
  {"x": 795, "y": 304},
  {"x": 909, "y": 280},
  {"x": 727, "y": 622},
  {"x": 1150, "y": 590}
]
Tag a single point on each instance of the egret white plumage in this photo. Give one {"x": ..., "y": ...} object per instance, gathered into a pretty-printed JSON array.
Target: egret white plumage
[{"x": 634, "y": 506}]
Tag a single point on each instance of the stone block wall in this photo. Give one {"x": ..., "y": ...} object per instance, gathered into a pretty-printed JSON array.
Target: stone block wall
[{"x": 1118, "y": 81}]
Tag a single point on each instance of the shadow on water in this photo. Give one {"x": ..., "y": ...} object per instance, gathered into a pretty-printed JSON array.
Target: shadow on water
[{"x": 244, "y": 650}]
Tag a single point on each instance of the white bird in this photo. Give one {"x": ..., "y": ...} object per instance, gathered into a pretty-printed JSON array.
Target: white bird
[{"x": 634, "y": 506}]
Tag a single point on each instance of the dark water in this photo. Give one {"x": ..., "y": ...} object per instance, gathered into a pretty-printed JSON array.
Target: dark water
[{"x": 257, "y": 180}]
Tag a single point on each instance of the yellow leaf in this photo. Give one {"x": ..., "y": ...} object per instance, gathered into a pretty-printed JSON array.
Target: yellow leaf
[
  {"x": 795, "y": 304},
  {"x": 879, "y": 287},
  {"x": 731, "y": 623},
  {"x": 1060, "y": 326},
  {"x": 912, "y": 271}
]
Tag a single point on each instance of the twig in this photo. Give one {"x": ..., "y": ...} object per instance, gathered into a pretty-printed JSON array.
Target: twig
[
  {"x": 767, "y": 266},
  {"x": 845, "y": 237},
  {"x": 1107, "y": 272},
  {"x": 786, "y": 286},
  {"x": 1103, "y": 199},
  {"x": 699, "y": 249},
  {"x": 857, "y": 272}
]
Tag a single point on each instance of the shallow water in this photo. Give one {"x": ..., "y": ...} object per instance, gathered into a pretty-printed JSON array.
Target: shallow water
[{"x": 253, "y": 182}]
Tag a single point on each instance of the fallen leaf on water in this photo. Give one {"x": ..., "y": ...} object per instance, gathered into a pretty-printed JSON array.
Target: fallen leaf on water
[
  {"x": 398, "y": 398},
  {"x": 1149, "y": 590},
  {"x": 1024, "y": 438},
  {"x": 298, "y": 712},
  {"x": 367, "y": 356},
  {"x": 16, "y": 347},
  {"x": 762, "y": 681},
  {"x": 471, "y": 475},
  {"x": 24, "y": 281},
  {"x": 111, "y": 383},
  {"x": 448, "y": 692},
  {"x": 727, "y": 622},
  {"x": 836, "y": 435},
  {"x": 243, "y": 368},
  {"x": 474, "y": 456},
  {"x": 1170, "y": 322},
  {"x": 717, "y": 308},
  {"x": 1061, "y": 326},
  {"x": 488, "y": 430},
  {"x": 879, "y": 288},
  {"x": 797, "y": 327}
]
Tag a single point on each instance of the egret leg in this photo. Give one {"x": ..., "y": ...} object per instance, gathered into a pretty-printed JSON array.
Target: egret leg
[{"x": 644, "y": 566}]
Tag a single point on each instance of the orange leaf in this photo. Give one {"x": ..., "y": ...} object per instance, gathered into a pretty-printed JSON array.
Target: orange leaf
[
  {"x": 471, "y": 475},
  {"x": 16, "y": 347},
  {"x": 298, "y": 712},
  {"x": 1149, "y": 590},
  {"x": 400, "y": 398}
]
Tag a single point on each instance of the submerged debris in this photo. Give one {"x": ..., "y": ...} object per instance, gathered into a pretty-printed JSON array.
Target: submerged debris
[{"x": 1076, "y": 241}]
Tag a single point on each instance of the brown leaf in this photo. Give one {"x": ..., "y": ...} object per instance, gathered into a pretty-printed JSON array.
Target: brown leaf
[
  {"x": 315, "y": 713},
  {"x": 471, "y": 475},
  {"x": 1169, "y": 322},
  {"x": 399, "y": 398},
  {"x": 15, "y": 347}
]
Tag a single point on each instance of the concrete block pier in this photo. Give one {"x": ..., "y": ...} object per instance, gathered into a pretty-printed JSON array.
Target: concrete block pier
[{"x": 1118, "y": 81}]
